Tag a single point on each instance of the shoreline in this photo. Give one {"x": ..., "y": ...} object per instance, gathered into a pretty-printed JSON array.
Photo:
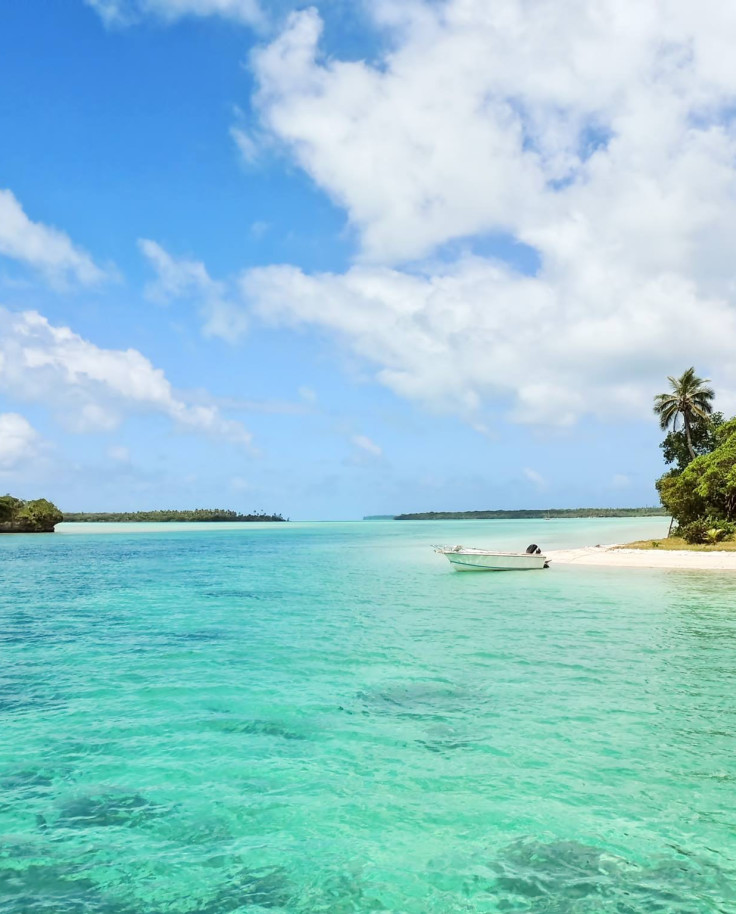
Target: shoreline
[{"x": 614, "y": 556}]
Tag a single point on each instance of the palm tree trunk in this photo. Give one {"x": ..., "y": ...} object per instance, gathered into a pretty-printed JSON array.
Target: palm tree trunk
[{"x": 690, "y": 448}]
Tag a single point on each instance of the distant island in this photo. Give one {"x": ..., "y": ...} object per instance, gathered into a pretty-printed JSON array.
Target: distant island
[
  {"x": 199, "y": 515},
  {"x": 533, "y": 514},
  {"x": 380, "y": 517},
  {"x": 19, "y": 516}
]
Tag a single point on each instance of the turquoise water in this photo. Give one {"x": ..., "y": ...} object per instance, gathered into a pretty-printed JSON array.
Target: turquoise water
[{"x": 325, "y": 718}]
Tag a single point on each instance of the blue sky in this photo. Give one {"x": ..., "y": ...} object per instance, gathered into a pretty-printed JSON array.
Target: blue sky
[{"x": 354, "y": 259}]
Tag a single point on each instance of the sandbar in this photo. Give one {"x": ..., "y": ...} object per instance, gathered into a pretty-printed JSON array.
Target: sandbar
[{"x": 613, "y": 556}]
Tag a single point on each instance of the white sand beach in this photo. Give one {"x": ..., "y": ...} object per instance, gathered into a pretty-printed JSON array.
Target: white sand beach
[{"x": 613, "y": 557}]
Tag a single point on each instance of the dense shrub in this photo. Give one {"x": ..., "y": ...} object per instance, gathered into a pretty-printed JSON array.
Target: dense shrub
[
  {"x": 9, "y": 506},
  {"x": 696, "y": 532},
  {"x": 706, "y": 530},
  {"x": 41, "y": 513}
]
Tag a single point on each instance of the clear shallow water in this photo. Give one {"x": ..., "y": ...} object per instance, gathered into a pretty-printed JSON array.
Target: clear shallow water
[{"x": 325, "y": 718}]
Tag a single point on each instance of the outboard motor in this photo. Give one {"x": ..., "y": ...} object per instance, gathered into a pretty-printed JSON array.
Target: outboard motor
[{"x": 533, "y": 549}]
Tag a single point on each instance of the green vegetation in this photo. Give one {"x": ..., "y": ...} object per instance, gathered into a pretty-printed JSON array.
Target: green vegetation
[
  {"x": 164, "y": 517},
  {"x": 703, "y": 439},
  {"x": 702, "y": 497},
  {"x": 677, "y": 543},
  {"x": 690, "y": 399},
  {"x": 18, "y": 516},
  {"x": 533, "y": 514},
  {"x": 699, "y": 491}
]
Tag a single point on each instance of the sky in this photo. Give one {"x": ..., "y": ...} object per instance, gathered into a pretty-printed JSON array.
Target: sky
[{"x": 359, "y": 258}]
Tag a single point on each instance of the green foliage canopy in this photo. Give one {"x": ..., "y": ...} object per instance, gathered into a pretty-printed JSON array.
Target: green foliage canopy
[
  {"x": 41, "y": 513},
  {"x": 703, "y": 434},
  {"x": 706, "y": 488},
  {"x": 9, "y": 507},
  {"x": 38, "y": 515}
]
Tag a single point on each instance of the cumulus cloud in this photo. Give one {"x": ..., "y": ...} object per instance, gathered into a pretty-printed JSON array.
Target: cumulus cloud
[
  {"x": 535, "y": 478},
  {"x": 119, "y": 453},
  {"x": 42, "y": 247},
  {"x": 599, "y": 133},
  {"x": 179, "y": 278},
  {"x": 364, "y": 443},
  {"x": 501, "y": 116},
  {"x": 92, "y": 388},
  {"x": 477, "y": 331},
  {"x": 248, "y": 146},
  {"x": 124, "y": 12},
  {"x": 19, "y": 441}
]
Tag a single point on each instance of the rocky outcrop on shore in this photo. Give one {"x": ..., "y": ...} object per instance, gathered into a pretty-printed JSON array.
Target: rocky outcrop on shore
[
  {"x": 18, "y": 516},
  {"x": 25, "y": 526}
]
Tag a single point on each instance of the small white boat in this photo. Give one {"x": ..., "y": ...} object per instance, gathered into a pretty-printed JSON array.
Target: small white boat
[{"x": 464, "y": 558}]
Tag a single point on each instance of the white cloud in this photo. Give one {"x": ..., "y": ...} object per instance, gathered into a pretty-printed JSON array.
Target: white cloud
[
  {"x": 188, "y": 279},
  {"x": 91, "y": 416},
  {"x": 119, "y": 453},
  {"x": 535, "y": 478},
  {"x": 482, "y": 110},
  {"x": 124, "y": 12},
  {"x": 42, "y": 247},
  {"x": 19, "y": 441},
  {"x": 248, "y": 147},
  {"x": 484, "y": 430},
  {"x": 477, "y": 331},
  {"x": 620, "y": 481},
  {"x": 258, "y": 229},
  {"x": 92, "y": 388},
  {"x": 364, "y": 443},
  {"x": 600, "y": 133}
]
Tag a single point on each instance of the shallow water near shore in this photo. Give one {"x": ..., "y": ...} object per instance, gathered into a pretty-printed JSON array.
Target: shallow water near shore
[{"x": 202, "y": 719}]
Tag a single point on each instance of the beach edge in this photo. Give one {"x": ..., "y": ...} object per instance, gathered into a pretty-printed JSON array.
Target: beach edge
[{"x": 614, "y": 555}]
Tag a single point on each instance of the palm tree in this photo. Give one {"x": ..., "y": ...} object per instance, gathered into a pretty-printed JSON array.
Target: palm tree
[{"x": 690, "y": 398}]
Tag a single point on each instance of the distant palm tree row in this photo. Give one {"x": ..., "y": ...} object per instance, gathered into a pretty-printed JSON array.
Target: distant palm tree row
[{"x": 168, "y": 516}]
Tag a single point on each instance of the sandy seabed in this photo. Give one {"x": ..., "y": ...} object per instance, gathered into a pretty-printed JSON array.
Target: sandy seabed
[{"x": 613, "y": 557}]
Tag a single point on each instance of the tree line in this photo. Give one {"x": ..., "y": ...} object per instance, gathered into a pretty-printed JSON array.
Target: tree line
[
  {"x": 197, "y": 515},
  {"x": 534, "y": 514}
]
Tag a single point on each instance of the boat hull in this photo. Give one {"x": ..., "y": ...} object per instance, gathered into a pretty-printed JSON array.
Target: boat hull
[{"x": 476, "y": 561}]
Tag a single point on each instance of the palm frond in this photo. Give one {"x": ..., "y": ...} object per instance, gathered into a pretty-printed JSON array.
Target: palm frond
[
  {"x": 667, "y": 408},
  {"x": 690, "y": 398}
]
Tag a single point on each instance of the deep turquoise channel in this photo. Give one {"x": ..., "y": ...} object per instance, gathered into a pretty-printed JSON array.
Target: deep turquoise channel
[{"x": 325, "y": 718}]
